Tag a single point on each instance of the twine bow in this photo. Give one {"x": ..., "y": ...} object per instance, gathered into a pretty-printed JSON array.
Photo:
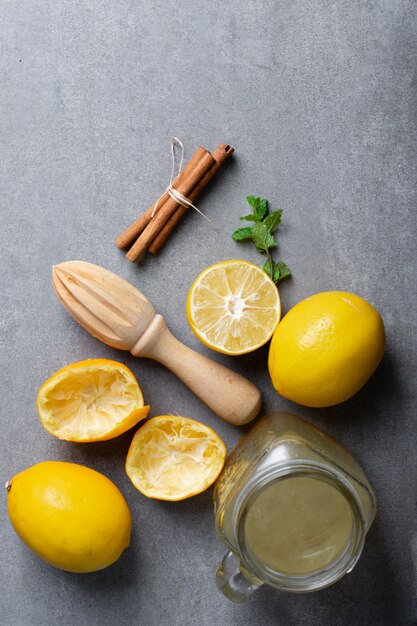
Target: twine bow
[{"x": 174, "y": 193}]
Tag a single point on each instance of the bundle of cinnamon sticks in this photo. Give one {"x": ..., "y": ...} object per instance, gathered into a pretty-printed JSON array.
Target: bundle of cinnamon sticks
[{"x": 151, "y": 230}]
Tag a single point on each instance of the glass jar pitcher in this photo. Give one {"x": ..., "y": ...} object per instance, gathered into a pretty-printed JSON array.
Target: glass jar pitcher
[{"x": 293, "y": 506}]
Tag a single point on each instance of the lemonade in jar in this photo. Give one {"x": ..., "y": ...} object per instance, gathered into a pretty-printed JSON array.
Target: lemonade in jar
[{"x": 293, "y": 507}]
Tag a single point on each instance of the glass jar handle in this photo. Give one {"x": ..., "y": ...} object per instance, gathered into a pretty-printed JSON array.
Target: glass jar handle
[{"x": 234, "y": 580}]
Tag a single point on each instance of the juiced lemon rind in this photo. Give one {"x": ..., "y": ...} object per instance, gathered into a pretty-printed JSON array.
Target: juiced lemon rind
[
  {"x": 92, "y": 400},
  {"x": 173, "y": 458}
]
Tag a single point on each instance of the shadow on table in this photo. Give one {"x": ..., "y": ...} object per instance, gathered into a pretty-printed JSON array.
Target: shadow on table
[
  {"x": 120, "y": 575},
  {"x": 373, "y": 409},
  {"x": 382, "y": 390},
  {"x": 103, "y": 456}
]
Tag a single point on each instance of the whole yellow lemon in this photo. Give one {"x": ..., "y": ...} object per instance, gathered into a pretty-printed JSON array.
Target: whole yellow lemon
[
  {"x": 70, "y": 515},
  {"x": 326, "y": 348}
]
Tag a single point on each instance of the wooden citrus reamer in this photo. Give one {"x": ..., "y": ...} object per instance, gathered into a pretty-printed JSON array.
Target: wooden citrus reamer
[{"x": 118, "y": 314}]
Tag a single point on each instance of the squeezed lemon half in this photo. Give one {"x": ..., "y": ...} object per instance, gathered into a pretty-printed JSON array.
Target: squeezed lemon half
[
  {"x": 173, "y": 458},
  {"x": 91, "y": 400},
  {"x": 233, "y": 307}
]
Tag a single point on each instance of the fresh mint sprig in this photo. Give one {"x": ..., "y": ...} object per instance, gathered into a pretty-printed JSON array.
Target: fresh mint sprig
[{"x": 261, "y": 233}]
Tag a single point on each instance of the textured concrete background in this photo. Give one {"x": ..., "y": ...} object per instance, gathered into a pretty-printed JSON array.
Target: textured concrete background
[{"x": 318, "y": 97}]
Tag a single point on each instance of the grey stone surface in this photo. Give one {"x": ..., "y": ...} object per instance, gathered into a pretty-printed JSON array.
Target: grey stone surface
[{"x": 318, "y": 97}]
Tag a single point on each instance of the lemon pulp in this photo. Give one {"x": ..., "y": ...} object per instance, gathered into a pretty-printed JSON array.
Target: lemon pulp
[
  {"x": 173, "y": 457},
  {"x": 90, "y": 400},
  {"x": 233, "y": 307}
]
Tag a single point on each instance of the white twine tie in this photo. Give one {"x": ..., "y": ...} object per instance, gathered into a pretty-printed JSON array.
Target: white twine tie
[{"x": 174, "y": 193}]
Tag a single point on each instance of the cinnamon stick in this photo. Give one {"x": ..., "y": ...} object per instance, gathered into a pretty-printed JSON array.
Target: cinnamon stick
[
  {"x": 159, "y": 220},
  {"x": 220, "y": 154},
  {"x": 134, "y": 230}
]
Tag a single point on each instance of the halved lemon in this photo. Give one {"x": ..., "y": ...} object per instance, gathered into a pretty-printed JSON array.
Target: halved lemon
[
  {"x": 233, "y": 307},
  {"x": 91, "y": 400},
  {"x": 173, "y": 458}
]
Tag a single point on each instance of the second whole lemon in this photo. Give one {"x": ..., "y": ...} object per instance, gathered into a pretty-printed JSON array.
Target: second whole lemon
[
  {"x": 71, "y": 516},
  {"x": 326, "y": 348}
]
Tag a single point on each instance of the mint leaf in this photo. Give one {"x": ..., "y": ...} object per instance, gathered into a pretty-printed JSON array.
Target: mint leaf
[
  {"x": 242, "y": 233},
  {"x": 267, "y": 268},
  {"x": 252, "y": 201},
  {"x": 251, "y": 218},
  {"x": 260, "y": 233},
  {"x": 280, "y": 270},
  {"x": 263, "y": 208},
  {"x": 273, "y": 220},
  {"x": 260, "y": 206},
  {"x": 262, "y": 237}
]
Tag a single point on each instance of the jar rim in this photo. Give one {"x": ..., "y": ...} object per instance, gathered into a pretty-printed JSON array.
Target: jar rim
[{"x": 319, "y": 578}]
